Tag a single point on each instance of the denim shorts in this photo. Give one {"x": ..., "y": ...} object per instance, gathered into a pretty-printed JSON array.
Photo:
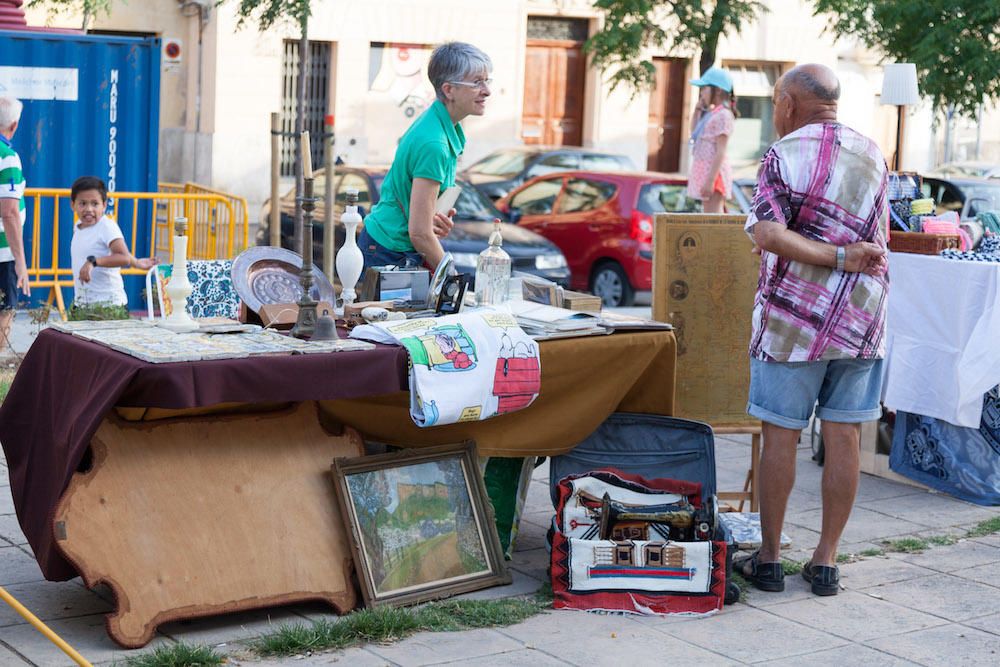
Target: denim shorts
[
  {"x": 849, "y": 391},
  {"x": 9, "y": 294},
  {"x": 376, "y": 254}
]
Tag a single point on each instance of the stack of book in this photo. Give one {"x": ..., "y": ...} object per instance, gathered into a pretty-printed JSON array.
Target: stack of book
[
  {"x": 541, "y": 321},
  {"x": 581, "y": 301}
]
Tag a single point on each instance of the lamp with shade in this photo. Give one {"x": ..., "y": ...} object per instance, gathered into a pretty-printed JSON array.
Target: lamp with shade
[{"x": 899, "y": 88}]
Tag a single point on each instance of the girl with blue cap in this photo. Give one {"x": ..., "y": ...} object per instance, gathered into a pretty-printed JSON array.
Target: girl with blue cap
[{"x": 711, "y": 177}]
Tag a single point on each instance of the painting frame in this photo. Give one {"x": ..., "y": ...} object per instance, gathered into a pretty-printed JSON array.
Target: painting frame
[{"x": 373, "y": 556}]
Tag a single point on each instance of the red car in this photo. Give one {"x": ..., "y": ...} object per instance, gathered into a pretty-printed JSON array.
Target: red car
[{"x": 602, "y": 222}]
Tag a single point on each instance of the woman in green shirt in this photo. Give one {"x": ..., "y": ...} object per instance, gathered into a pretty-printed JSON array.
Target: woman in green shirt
[{"x": 403, "y": 228}]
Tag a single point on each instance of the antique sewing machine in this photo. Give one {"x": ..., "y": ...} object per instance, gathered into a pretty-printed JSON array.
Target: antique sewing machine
[{"x": 679, "y": 521}]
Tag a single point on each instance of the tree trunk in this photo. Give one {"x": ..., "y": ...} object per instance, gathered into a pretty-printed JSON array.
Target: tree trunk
[
  {"x": 712, "y": 35},
  {"x": 300, "y": 112}
]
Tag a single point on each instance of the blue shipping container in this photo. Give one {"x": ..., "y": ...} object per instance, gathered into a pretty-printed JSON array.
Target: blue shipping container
[{"x": 91, "y": 107}]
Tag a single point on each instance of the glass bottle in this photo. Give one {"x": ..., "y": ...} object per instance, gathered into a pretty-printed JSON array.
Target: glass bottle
[{"x": 493, "y": 271}]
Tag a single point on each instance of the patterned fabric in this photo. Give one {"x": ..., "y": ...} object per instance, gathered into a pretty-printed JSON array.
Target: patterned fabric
[
  {"x": 12, "y": 186},
  {"x": 828, "y": 183},
  {"x": 465, "y": 367},
  {"x": 963, "y": 462},
  {"x": 212, "y": 291},
  {"x": 720, "y": 122},
  {"x": 988, "y": 251}
]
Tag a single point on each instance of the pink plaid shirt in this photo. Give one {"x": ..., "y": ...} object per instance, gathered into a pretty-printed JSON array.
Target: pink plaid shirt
[{"x": 828, "y": 183}]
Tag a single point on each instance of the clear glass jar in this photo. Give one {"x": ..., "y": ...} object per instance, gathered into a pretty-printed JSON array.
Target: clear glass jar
[{"x": 493, "y": 271}]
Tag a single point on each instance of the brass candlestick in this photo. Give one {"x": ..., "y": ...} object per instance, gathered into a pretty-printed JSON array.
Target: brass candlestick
[{"x": 305, "y": 324}]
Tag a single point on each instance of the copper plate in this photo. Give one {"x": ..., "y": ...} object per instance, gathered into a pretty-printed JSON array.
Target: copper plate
[{"x": 265, "y": 274}]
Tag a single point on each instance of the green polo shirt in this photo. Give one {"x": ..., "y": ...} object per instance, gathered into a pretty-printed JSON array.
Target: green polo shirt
[{"x": 429, "y": 149}]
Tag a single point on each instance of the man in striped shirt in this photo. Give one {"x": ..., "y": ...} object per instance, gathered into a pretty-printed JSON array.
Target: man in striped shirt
[
  {"x": 13, "y": 267},
  {"x": 819, "y": 219}
]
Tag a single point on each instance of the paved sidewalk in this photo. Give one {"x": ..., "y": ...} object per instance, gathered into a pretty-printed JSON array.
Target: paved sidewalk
[{"x": 940, "y": 607}]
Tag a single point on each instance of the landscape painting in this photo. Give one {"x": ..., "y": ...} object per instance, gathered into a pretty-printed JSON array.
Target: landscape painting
[{"x": 418, "y": 527}]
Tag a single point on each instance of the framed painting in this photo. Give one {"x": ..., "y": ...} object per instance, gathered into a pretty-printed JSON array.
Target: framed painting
[{"x": 420, "y": 524}]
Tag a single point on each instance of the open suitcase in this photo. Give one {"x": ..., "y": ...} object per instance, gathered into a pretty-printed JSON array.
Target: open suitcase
[{"x": 656, "y": 453}]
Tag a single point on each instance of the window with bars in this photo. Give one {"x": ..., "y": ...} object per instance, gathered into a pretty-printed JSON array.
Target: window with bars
[{"x": 315, "y": 105}]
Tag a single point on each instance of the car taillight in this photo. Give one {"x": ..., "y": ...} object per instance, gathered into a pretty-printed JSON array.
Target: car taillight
[{"x": 642, "y": 227}]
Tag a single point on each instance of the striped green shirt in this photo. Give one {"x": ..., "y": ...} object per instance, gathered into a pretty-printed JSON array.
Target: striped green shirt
[{"x": 11, "y": 187}]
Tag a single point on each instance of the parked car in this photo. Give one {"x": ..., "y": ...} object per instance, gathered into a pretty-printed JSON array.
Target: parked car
[
  {"x": 966, "y": 169},
  {"x": 474, "y": 216},
  {"x": 603, "y": 223},
  {"x": 501, "y": 171},
  {"x": 967, "y": 196}
]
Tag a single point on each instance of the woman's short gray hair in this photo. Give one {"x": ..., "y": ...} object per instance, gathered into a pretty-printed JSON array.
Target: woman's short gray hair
[
  {"x": 456, "y": 61},
  {"x": 10, "y": 111}
]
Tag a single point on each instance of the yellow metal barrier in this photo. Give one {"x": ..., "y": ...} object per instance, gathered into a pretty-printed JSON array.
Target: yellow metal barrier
[{"x": 206, "y": 213}]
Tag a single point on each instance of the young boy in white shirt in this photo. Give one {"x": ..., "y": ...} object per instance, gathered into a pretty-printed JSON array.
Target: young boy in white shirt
[{"x": 98, "y": 248}]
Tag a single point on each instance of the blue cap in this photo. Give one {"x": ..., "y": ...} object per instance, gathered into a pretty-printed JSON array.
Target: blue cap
[{"x": 715, "y": 76}]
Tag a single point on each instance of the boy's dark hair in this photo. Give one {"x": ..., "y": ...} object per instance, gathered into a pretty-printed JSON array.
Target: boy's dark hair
[{"x": 88, "y": 183}]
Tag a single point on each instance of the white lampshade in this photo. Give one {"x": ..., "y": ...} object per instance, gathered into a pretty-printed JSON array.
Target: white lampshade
[{"x": 899, "y": 84}]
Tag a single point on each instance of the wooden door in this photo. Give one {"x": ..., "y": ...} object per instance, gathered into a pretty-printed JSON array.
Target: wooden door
[
  {"x": 554, "y": 75},
  {"x": 666, "y": 111}
]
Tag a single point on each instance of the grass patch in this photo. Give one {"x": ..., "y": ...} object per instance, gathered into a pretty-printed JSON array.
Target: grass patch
[
  {"x": 386, "y": 624},
  {"x": 846, "y": 558},
  {"x": 942, "y": 540},
  {"x": 791, "y": 566},
  {"x": 177, "y": 655},
  {"x": 744, "y": 585},
  {"x": 988, "y": 527},
  {"x": 907, "y": 545},
  {"x": 871, "y": 553},
  {"x": 6, "y": 377},
  {"x": 544, "y": 594}
]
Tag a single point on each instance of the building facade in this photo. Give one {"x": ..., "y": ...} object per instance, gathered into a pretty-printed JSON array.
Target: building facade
[{"x": 221, "y": 82}]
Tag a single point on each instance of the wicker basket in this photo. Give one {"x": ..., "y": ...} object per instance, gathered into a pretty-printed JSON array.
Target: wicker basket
[{"x": 922, "y": 244}]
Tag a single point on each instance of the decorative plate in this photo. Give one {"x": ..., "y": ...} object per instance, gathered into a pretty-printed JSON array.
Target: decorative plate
[{"x": 266, "y": 274}]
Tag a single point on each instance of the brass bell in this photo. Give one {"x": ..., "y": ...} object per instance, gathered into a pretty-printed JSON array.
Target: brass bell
[{"x": 325, "y": 327}]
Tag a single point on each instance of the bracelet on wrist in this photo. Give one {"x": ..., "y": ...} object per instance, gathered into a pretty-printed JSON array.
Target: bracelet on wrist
[{"x": 841, "y": 258}]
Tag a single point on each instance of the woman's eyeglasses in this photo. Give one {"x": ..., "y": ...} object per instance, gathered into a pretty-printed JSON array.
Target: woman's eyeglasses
[{"x": 481, "y": 84}]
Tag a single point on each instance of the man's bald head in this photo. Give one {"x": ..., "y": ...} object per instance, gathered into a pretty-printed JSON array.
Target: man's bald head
[
  {"x": 817, "y": 81},
  {"x": 804, "y": 95}
]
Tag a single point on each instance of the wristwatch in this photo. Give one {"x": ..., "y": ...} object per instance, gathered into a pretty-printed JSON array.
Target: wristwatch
[
  {"x": 841, "y": 258},
  {"x": 92, "y": 260}
]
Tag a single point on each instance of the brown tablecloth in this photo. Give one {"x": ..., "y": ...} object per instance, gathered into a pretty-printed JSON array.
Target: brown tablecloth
[
  {"x": 583, "y": 381},
  {"x": 66, "y": 386}
]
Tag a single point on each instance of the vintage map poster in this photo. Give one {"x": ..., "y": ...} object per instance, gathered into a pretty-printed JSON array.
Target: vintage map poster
[{"x": 704, "y": 279}]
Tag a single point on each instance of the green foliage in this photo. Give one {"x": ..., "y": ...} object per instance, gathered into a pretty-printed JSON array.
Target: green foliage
[
  {"x": 418, "y": 508},
  {"x": 907, "y": 545},
  {"x": 955, "y": 44},
  {"x": 987, "y": 527},
  {"x": 869, "y": 553},
  {"x": 631, "y": 27},
  {"x": 6, "y": 377},
  {"x": 177, "y": 655},
  {"x": 942, "y": 540},
  {"x": 386, "y": 624},
  {"x": 791, "y": 566},
  {"x": 96, "y": 311},
  {"x": 87, "y": 8},
  {"x": 265, "y": 13},
  {"x": 743, "y": 585}
]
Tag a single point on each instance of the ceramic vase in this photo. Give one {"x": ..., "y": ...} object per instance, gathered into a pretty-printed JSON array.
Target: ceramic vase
[{"x": 350, "y": 261}]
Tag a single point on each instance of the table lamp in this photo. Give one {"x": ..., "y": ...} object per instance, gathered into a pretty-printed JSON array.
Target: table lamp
[{"x": 899, "y": 87}]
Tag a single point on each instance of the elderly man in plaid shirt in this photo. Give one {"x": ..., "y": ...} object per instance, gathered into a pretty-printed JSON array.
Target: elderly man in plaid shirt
[{"x": 819, "y": 219}]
